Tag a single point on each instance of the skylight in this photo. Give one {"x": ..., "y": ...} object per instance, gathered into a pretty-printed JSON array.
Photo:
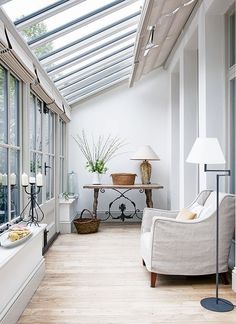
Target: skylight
[{"x": 82, "y": 45}]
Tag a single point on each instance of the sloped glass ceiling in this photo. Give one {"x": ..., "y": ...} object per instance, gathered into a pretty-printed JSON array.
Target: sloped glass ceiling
[{"x": 85, "y": 46}]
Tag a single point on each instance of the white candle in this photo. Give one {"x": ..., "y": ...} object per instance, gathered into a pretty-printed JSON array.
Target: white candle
[
  {"x": 24, "y": 180},
  {"x": 32, "y": 180},
  {"x": 4, "y": 179},
  {"x": 0, "y": 178},
  {"x": 13, "y": 179},
  {"x": 39, "y": 180}
]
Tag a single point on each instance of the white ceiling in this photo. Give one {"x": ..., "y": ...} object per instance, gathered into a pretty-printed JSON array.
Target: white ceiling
[{"x": 168, "y": 18}]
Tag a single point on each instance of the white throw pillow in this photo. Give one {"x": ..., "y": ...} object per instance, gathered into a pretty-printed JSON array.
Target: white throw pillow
[
  {"x": 197, "y": 208},
  {"x": 207, "y": 211}
]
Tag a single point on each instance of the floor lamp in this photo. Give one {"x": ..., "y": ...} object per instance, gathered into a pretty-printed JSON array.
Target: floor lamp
[{"x": 208, "y": 151}]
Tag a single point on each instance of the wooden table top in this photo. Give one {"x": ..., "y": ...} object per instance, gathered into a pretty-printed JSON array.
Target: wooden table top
[{"x": 135, "y": 186}]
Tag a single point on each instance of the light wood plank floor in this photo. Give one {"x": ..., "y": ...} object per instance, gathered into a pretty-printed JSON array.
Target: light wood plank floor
[{"x": 99, "y": 279}]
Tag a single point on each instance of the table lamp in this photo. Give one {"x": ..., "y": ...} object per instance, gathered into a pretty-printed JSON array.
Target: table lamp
[
  {"x": 145, "y": 153},
  {"x": 205, "y": 151}
]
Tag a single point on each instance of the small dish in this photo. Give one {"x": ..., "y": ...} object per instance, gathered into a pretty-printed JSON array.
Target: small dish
[{"x": 5, "y": 242}]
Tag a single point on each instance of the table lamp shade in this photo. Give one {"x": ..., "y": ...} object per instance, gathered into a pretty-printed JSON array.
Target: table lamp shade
[
  {"x": 145, "y": 153},
  {"x": 206, "y": 150}
]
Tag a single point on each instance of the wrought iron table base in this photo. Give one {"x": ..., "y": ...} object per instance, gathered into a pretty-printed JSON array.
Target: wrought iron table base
[{"x": 122, "y": 195}]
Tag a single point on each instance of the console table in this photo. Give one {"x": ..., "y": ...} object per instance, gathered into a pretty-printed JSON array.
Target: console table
[{"x": 121, "y": 191}]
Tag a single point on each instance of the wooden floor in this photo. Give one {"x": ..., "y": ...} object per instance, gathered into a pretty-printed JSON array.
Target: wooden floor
[{"x": 99, "y": 279}]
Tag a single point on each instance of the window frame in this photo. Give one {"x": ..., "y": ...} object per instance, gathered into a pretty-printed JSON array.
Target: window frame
[
  {"x": 230, "y": 76},
  {"x": 62, "y": 155},
  {"x": 15, "y": 148}
]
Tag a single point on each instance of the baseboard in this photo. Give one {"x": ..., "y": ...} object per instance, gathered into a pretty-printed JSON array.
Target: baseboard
[
  {"x": 49, "y": 243},
  {"x": 13, "y": 311},
  {"x": 234, "y": 280}
]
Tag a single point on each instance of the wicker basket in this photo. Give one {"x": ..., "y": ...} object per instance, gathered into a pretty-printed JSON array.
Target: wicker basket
[
  {"x": 86, "y": 225},
  {"x": 123, "y": 178}
]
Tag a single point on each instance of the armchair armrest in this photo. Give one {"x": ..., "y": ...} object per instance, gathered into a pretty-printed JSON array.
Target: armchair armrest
[
  {"x": 182, "y": 243},
  {"x": 150, "y": 213}
]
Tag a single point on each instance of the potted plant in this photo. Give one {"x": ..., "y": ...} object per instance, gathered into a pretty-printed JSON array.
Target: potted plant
[{"x": 99, "y": 153}]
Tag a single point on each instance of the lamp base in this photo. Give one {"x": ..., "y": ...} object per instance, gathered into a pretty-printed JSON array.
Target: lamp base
[
  {"x": 217, "y": 305},
  {"x": 145, "y": 169}
]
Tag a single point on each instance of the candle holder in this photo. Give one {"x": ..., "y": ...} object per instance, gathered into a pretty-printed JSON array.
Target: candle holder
[{"x": 33, "y": 217}]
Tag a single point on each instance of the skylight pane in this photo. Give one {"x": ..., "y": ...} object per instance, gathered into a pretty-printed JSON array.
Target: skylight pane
[
  {"x": 95, "y": 58},
  {"x": 86, "y": 54},
  {"x": 89, "y": 28},
  {"x": 95, "y": 44},
  {"x": 91, "y": 70},
  {"x": 101, "y": 83},
  {"x": 97, "y": 76},
  {"x": 16, "y": 9}
]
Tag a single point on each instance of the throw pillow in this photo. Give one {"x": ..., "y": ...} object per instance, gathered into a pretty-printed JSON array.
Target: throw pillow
[
  {"x": 186, "y": 214},
  {"x": 196, "y": 208}
]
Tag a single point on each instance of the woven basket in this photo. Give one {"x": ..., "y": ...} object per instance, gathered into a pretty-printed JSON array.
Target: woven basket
[
  {"x": 86, "y": 225},
  {"x": 123, "y": 178}
]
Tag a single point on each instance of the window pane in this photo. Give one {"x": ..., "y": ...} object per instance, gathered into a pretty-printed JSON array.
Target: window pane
[
  {"x": 48, "y": 178},
  {"x": 3, "y": 106},
  {"x": 39, "y": 169},
  {"x": 52, "y": 175},
  {"x": 14, "y": 110},
  {"x": 39, "y": 125},
  {"x": 233, "y": 135},
  {"x": 51, "y": 134},
  {"x": 232, "y": 27},
  {"x": 61, "y": 175},
  {"x": 35, "y": 167},
  {"x": 14, "y": 181},
  {"x": 32, "y": 119},
  {"x": 3, "y": 186},
  {"x": 46, "y": 133}
]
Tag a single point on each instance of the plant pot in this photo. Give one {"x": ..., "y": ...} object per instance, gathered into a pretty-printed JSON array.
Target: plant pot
[{"x": 96, "y": 179}]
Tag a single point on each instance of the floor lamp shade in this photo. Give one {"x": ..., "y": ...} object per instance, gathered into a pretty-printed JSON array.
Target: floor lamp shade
[
  {"x": 208, "y": 151},
  {"x": 145, "y": 153}
]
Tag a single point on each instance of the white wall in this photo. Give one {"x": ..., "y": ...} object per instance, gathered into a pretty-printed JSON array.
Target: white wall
[
  {"x": 140, "y": 116},
  {"x": 205, "y": 70}
]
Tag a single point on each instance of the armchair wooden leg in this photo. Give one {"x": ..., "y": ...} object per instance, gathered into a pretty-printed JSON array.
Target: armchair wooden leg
[
  {"x": 153, "y": 279},
  {"x": 224, "y": 278},
  {"x": 144, "y": 264}
]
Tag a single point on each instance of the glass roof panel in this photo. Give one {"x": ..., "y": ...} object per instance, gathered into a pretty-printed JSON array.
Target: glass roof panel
[
  {"x": 97, "y": 76},
  {"x": 92, "y": 52},
  {"x": 91, "y": 27},
  {"x": 98, "y": 85},
  {"x": 17, "y": 9},
  {"x": 95, "y": 44},
  {"x": 92, "y": 69},
  {"x": 81, "y": 63},
  {"x": 80, "y": 57}
]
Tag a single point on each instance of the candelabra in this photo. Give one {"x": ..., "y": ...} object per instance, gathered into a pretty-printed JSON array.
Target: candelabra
[{"x": 33, "y": 217}]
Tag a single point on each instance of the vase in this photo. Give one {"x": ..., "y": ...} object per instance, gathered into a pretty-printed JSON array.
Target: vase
[{"x": 96, "y": 178}]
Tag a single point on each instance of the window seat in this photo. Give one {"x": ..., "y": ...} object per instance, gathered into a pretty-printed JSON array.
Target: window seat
[{"x": 21, "y": 270}]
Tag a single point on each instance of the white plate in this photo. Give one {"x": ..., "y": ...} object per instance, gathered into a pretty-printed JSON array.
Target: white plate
[{"x": 5, "y": 242}]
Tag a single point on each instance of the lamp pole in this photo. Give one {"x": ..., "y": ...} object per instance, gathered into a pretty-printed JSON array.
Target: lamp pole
[{"x": 217, "y": 304}]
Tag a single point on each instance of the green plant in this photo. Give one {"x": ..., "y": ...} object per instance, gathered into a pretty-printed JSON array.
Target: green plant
[
  {"x": 99, "y": 153},
  {"x": 65, "y": 195}
]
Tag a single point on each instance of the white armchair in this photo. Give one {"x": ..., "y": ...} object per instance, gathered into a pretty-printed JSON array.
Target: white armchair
[{"x": 179, "y": 247}]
